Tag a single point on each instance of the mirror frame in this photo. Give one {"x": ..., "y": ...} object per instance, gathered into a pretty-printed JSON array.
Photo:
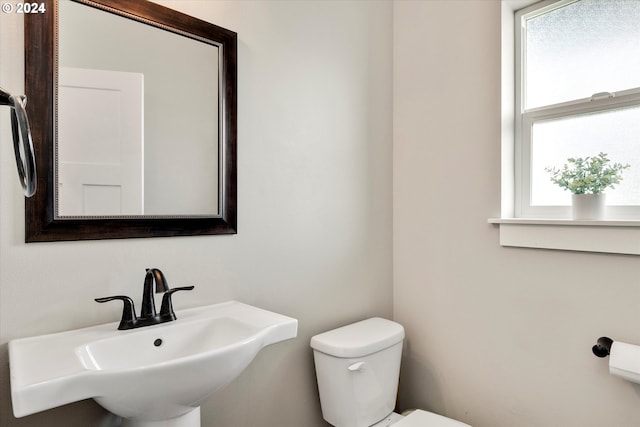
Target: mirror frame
[{"x": 41, "y": 223}]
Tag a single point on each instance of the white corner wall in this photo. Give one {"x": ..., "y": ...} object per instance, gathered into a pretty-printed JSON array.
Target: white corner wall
[
  {"x": 314, "y": 197},
  {"x": 496, "y": 337}
]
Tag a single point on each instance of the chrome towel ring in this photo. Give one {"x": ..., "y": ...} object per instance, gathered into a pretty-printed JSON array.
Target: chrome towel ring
[{"x": 25, "y": 157}]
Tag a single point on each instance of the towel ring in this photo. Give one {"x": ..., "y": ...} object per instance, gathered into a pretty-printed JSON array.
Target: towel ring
[{"x": 22, "y": 143}]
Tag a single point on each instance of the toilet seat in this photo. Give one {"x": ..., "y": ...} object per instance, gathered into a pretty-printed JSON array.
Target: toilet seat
[{"x": 420, "y": 418}]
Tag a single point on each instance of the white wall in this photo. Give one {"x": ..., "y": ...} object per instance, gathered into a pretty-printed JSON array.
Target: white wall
[
  {"x": 314, "y": 190},
  {"x": 497, "y": 337}
]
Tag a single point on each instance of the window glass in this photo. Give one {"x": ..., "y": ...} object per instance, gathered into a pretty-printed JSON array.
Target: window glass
[
  {"x": 580, "y": 49},
  {"x": 615, "y": 132}
]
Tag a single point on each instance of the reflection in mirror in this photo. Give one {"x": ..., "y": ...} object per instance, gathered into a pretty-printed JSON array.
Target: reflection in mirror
[
  {"x": 137, "y": 130},
  {"x": 137, "y": 118}
]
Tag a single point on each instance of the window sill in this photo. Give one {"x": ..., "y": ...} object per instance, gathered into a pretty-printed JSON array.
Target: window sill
[{"x": 608, "y": 236}]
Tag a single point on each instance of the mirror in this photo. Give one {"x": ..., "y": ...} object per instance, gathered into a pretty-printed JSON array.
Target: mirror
[
  {"x": 137, "y": 133},
  {"x": 134, "y": 108}
]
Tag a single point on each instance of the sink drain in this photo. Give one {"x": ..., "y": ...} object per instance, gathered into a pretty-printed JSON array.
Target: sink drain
[{"x": 157, "y": 342}]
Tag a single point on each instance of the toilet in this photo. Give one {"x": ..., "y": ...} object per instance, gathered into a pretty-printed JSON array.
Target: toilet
[{"x": 357, "y": 368}]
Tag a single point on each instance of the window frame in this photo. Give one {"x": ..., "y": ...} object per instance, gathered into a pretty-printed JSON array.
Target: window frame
[
  {"x": 525, "y": 119},
  {"x": 610, "y": 236}
]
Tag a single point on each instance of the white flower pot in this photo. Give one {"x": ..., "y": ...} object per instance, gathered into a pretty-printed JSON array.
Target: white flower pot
[{"x": 588, "y": 206}]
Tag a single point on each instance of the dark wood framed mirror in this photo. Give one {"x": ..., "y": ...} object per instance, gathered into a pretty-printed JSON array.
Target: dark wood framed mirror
[{"x": 208, "y": 209}]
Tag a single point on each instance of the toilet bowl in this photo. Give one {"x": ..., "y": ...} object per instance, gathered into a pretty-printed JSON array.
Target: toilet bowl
[
  {"x": 357, "y": 369},
  {"x": 420, "y": 418}
]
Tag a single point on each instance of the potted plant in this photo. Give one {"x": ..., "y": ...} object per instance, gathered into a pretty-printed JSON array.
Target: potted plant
[{"x": 587, "y": 178}]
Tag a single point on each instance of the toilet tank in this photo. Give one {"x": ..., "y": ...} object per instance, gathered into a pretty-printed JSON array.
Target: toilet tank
[{"x": 357, "y": 368}]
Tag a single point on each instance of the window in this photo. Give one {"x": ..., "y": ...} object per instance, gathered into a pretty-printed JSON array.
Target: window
[{"x": 577, "y": 94}]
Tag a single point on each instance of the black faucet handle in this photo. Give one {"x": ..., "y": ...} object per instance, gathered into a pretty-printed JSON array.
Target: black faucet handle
[
  {"x": 129, "y": 318},
  {"x": 166, "y": 310}
]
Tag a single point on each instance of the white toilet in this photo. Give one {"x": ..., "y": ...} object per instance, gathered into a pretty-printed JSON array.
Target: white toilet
[{"x": 358, "y": 367}]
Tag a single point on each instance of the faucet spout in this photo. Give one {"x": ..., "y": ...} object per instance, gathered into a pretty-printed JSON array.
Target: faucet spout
[{"x": 148, "y": 304}]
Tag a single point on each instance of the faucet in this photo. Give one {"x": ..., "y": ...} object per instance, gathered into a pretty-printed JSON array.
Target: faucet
[{"x": 148, "y": 314}]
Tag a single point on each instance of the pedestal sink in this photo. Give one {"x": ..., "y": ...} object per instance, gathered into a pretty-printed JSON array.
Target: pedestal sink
[{"x": 152, "y": 376}]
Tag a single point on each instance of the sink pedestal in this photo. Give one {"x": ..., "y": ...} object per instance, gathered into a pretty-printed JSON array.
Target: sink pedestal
[{"x": 190, "y": 419}]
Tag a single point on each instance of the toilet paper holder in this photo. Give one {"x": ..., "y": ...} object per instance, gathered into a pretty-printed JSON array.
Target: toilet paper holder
[
  {"x": 602, "y": 347},
  {"x": 624, "y": 358}
]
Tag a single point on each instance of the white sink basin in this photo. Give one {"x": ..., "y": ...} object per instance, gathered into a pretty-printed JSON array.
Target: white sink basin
[{"x": 146, "y": 375}]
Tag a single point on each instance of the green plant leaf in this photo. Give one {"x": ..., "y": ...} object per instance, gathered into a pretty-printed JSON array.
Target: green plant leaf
[{"x": 589, "y": 175}]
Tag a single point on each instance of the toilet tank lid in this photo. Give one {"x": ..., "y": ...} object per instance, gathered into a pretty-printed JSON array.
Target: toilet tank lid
[{"x": 360, "y": 338}]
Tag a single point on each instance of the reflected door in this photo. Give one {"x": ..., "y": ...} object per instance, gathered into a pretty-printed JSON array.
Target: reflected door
[{"x": 101, "y": 163}]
